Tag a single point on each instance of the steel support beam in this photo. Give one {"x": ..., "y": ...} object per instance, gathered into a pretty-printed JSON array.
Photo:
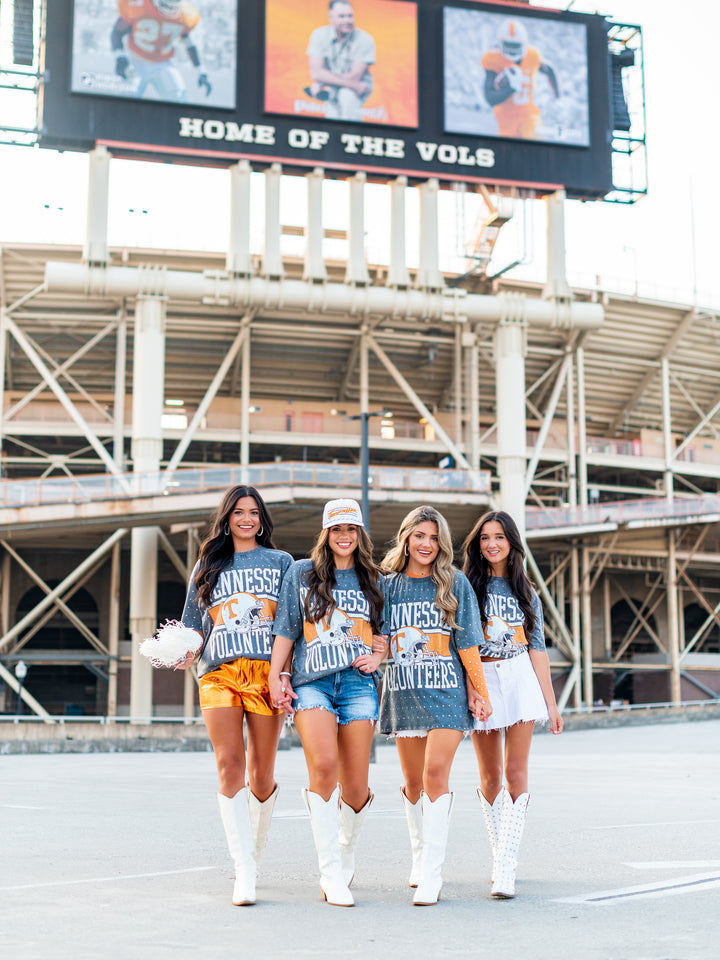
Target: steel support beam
[
  {"x": 416, "y": 401},
  {"x": 397, "y": 275},
  {"x": 239, "y": 259},
  {"x": 510, "y": 349},
  {"x": 357, "y": 271}
]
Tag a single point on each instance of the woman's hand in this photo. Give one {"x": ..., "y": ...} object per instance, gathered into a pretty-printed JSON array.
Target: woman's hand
[
  {"x": 479, "y": 707},
  {"x": 556, "y": 720},
  {"x": 187, "y": 661},
  {"x": 369, "y": 662},
  {"x": 281, "y": 692}
]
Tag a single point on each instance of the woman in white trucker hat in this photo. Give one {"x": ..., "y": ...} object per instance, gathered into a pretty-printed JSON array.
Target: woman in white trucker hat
[{"x": 329, "y": 617}]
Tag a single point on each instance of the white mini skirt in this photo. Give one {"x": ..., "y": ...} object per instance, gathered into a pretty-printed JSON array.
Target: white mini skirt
[{"x": 514, "y": 692}]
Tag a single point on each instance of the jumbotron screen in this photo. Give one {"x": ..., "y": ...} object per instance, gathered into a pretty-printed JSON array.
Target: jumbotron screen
[
  {"x": 525, "y": 78},
  {"x": 460, "y": 90},
  {"x": 165, "y": 50},
  {"x": 353, "y": 62}
]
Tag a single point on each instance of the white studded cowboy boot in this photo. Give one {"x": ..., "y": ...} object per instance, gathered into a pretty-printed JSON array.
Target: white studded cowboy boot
[
  {"x": 491, "y": 813},
  {"x": 436, "y": 822},
  {"x": 235, "y": 815},
  {"x": 324, "y": 817},
  {"x": 349, "y": 826},
  {"x": 261, "y": 812},
  {"x": 413, "y": 813},
  {"x": 512, "y": 822}
]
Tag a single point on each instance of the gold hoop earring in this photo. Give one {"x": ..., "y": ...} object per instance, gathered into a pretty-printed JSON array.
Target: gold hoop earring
[
  {"x": 261, "y": 531},
  {"x": 226, "y": 529}
]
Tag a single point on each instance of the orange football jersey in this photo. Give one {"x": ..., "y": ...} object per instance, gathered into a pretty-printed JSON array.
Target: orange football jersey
[
  {"x": 154, "y": 33},
  {"x": 518, "y": 115}
]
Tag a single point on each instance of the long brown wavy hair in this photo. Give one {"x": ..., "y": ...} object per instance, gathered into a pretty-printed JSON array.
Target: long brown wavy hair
[
  {"x": 478, "y": 570},
  {"x": 442, "y": 570},
  {"x": 320, "y": 579},
  {"x": 217, "y": 548}
]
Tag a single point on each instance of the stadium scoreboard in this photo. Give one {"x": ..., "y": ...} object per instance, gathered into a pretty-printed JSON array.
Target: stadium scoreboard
[{"x": 464, "y": 91}]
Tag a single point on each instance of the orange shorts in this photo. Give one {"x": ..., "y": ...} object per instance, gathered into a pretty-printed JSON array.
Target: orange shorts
[{"x": 239, "y": 683}]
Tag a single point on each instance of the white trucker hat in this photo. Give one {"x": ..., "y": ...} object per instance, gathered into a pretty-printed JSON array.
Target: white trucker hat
[{"x": 342, "y": 511}]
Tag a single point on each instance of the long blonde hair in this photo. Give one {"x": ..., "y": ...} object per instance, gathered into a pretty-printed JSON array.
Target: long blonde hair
[{"x": 442, "y": 570}]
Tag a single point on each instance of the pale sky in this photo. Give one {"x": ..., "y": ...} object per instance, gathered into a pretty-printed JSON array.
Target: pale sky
[{"x": 649, "y": 244}]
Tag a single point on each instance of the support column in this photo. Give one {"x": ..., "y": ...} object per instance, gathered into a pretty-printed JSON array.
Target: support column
[
  {"x": 120, "y": 390},
  {"x": 673, "y": 619},
  {"x": 95, "y": 250},
  {"x": 510, "y": 348},
  {"x": 272, "y": 265},
  {"x": 114, "y": 631},
  {"x": 364, "y": 423},
  {"x": 398, "y": 275},
  {"x": 474, "y": 411},
  {"x": 557, "y": 287},
  {"x": 314, "y": 235},
  {"x": 357, "y": 271},
  {"x": 429, "y": 275},
  {"x": 245, "y": 401},
  {"x": 588, "y": 690},
  {"x": 575, "y": 619},
  {"x": 582, "y": 427},
  {"x": 239, "y": 260},
  {"x": 667, "y": 429},
  {"x": 148, "y": 398},
  {"x": 570, "y": 423}
]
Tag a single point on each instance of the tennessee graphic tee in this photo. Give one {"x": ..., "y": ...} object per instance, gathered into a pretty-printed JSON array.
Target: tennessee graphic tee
[
  {"x": 504, "y": 632},
  {"x": 424, "y": 686},
  {"x": 238, "y": 622},
  {"x": 331, "y": 644}
]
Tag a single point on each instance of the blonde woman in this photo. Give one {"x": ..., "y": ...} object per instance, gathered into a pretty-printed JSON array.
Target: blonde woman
[{"x": 434, "y": 682}]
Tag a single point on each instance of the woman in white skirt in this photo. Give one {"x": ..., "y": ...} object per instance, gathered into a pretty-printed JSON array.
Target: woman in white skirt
[{"x": 517, "y": 671}]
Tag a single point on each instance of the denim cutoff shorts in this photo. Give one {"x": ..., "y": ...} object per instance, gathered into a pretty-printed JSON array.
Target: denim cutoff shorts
[{"x": 349, "y": 694}]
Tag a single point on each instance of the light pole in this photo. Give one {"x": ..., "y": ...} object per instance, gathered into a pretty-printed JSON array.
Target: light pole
[
  {"x": 20, "y": 674},
  {"x": 365, "y": 458}
]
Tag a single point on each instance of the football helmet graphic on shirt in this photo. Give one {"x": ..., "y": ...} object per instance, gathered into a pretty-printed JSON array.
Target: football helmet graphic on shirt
[
  {"x": 335, "y": 630},
  {"x": 243, "y": 612},
  {"x": 407, "y": 646},
  {"x": 513, "y": 40}
]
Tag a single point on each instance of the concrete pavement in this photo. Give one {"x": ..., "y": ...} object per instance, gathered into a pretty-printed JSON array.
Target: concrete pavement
[{"x": 122, "y": 856}]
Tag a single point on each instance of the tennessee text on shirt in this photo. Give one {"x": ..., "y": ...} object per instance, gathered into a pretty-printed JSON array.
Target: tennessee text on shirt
[
  {"x": 422, "y": 614},
  {"x": 262, "y": 581},
  {"x": 505, "y": 607}
]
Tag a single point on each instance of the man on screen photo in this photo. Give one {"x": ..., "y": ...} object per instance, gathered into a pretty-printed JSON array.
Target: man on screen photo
[
  {"x": 145, "y": 37},
  {"x": 340, "y": 57},
  {"x": 510, "y": 70}
]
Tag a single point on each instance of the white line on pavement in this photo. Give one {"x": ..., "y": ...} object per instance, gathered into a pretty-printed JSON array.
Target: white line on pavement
[
  {"x": 129, "y": 876},
  {"x": 646, "y": 891}
]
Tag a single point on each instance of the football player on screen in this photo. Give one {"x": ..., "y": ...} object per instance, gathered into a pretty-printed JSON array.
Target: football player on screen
[
  {"x": 152, "y": 30},
  {"x": 510, "y": 70}
]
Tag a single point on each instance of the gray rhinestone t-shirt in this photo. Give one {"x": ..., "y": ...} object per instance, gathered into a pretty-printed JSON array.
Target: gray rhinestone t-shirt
[
  {"x": 504, "y": 632},
  {"x": 331, "y": 644},
  {"x": 238, "y": 622},
  {"x": 424, "y": 686}
]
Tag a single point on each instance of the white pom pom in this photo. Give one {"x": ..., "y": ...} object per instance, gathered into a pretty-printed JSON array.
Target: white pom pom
[{"x": 172, "y": 644}]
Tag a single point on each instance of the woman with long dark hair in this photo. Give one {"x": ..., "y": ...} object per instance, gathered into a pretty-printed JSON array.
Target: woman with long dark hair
[
  {"x": 433, "y": 684},
  {"x": 518, "y": 675},
  {"x": 231, "y": 602},
  {"x": 329, "y": 618}
]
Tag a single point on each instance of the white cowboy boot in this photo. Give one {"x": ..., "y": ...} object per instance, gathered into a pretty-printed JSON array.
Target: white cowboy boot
[
  {"x": 350, "y": 824},
  {"x": 512, "y": 822},
  {"x": 235, "y": 816},
  {"x": 413, "y": 814},
  {"x": 491, "y": 813},
  {"x": 324, "y": 817},
  {"x": 261, "y": 812},
  {"x": 436, "y": 822}
]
